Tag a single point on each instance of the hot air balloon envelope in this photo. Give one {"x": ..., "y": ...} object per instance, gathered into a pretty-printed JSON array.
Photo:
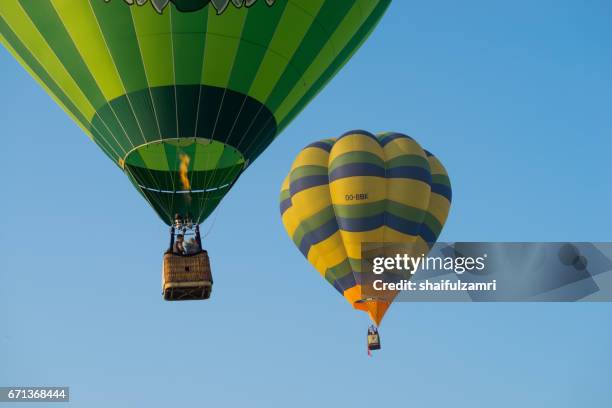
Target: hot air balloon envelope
[
  {"x": 180, "y": 97},
  {"x": 343, "y": 193}
]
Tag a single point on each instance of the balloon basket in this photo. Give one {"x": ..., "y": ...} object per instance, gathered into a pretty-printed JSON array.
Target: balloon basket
[
  {"x": 373, "y": 339},
  {"x": 186, "y": 277}
]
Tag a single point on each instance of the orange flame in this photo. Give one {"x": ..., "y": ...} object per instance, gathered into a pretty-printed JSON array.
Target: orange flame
[{"x": 184, "y": 170}]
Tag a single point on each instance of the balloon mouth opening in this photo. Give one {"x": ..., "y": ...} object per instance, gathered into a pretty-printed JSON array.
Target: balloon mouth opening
[
  {"x": 184, "y": 175},
  {"x": 208, "y": 190},
  {"x": 196, "y": 153},
  {"x": 368, "y": 299},
  {"x": 375, "y": 308}
]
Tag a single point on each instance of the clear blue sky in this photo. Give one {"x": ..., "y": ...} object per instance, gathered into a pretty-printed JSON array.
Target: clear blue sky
[{"x": 516, "y": 100}]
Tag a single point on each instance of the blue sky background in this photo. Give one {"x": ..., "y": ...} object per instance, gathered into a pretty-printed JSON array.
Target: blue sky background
[{"x": 514, "y": 97}]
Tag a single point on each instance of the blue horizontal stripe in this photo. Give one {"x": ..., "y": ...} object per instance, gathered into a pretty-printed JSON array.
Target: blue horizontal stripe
[
  {"x": 361, "y": 224},
  {"x": 402, "y": 225},
  {"x": 427, "y": 234},
  {"x": 364, "y": 224},
  {"x": 357, "y": 170},
  {"x": 318, "y": 235},
  {"x": 321, "y": 145},
  {"x": 443, "y": 190},
  {"x": 307, "y": 182},
  {"x": 359, "y": 132},
  {"x": 410, "y": 172},
  {"x": 388, "y": 138},
  {"x": 344, "y": 283},
  {"x": 285, "y": 205}
]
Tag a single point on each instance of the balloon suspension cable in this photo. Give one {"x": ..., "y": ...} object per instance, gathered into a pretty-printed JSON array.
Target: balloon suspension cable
[
  {"x": 217, "y": 210},
  {"x": 212, "y": 225}
]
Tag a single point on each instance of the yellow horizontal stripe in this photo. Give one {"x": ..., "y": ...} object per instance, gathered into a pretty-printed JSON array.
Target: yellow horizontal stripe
[
  {"x": 402, "y": 147},
  {"x": 353, "y": 240},
  {"x": 439, "y": 207},
  {"x": 356, "y": 142},
  {"x": 412, "y": 193},
  {"x": 311, "y": 156},
  {"x": 311, "y": 201},
  {"x": 436, "y": 166},
  {"x": 393, "y": 236},
  {"x": 420, "y": 247},
  {"x": 328, "y": 253},
  {"x": 290, "y": 222},
  {"x": 342, "y": 189}
]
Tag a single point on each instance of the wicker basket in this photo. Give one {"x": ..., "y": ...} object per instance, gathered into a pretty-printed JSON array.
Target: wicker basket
[
  {"x": 187, "y": 277},
  {"x": 373, "y": 341}
]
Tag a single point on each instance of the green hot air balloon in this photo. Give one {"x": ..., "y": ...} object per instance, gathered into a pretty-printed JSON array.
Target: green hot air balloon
[
  {"x": 181, "y": 97},
  {"x": 184, "y": 94}
]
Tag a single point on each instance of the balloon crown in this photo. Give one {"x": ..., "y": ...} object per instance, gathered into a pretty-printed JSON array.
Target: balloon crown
[{"x": 195, "y": 5}]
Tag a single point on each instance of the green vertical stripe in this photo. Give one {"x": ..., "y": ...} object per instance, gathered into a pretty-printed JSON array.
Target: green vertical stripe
[
  {"x": 113, "y": 128},
  {"x": 360, "y": 36},
  {"x": 223, "y": 37},
  {"x": 294, "y": 24},
  {"x": 141, "y": 104},
  {"x": 51, "y": 27},
  {"x": 154, "y": 39},
  {"x": 328, "y": 18},
  {"x": 116, "y": 24},
  {"x": 189, "y": 40},
  {"x": 259, "y": 29},
  {"x": 101, "y": 133}
]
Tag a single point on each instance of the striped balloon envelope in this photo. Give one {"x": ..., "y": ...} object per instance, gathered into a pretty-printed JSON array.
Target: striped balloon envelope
[
  {"x": 184, "y": 94},
  {"x": 357, "y": 189}
]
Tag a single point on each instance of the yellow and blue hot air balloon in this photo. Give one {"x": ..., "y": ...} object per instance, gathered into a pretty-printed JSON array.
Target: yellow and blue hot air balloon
[
  {"x": 183, "y": 95},
  {"x": 361, "y": 188}
]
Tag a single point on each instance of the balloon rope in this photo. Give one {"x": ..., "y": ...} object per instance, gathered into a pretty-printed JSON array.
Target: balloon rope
[{"x": 217, "y": 210}]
